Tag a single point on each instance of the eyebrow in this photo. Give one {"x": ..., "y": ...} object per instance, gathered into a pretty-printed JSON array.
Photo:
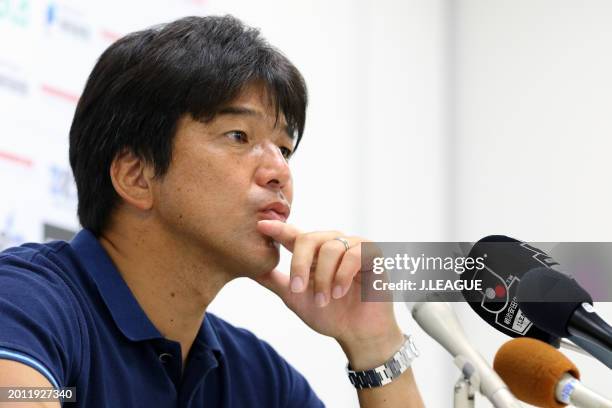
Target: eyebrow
[{"x": 242, "y": 111}]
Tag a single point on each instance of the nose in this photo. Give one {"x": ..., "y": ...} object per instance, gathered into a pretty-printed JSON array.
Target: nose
[{"x": 273, "y": 171}]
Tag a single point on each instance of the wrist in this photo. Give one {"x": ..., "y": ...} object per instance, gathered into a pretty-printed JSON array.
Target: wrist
[{"x": 364, "y": 354}]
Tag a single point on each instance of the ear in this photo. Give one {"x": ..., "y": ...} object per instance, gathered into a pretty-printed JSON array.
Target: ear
[{"x": 132, "y": 178}]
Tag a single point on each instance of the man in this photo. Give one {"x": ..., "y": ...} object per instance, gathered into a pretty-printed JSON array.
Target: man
[{"x": 179, "y": 147}]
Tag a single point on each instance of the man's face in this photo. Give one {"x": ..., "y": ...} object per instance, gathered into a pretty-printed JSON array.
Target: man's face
[{"x": 223, "y": 177}]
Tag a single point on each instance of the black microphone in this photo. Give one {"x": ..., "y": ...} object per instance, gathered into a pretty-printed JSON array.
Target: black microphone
[
  {"x": 506, "y": 260},
  {"x": 558, "y": 304}
]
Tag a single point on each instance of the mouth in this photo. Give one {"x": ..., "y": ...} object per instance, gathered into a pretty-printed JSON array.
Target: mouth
[{"x": 278, "y": 211}]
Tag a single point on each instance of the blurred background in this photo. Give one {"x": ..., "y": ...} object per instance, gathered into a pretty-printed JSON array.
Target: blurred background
[{"x": 429, "y": 120}]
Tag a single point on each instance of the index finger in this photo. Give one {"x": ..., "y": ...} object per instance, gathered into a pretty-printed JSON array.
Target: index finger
[{"x": 283, "y": 233}]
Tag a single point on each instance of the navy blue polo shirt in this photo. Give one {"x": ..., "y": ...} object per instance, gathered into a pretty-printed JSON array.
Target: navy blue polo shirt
[{"x": 66, "y": 311}]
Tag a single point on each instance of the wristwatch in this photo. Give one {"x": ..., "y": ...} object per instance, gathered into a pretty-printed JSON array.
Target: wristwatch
[{"x": 389, "y": 371}]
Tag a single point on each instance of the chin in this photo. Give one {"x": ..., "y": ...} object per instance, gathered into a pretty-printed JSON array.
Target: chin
[
  {"x": 261, "y": 259},
  {"x": 271, "y": 257}
]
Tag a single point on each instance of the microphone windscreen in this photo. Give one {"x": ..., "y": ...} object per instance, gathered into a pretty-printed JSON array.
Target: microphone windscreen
[
  {"x": 549, "y": 298},
  {"x": 532, "y": 369},
  {"x": 506, "y": 260}
]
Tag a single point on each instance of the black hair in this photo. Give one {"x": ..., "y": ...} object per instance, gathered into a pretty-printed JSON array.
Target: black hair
[{"x": 144, "y": 82}]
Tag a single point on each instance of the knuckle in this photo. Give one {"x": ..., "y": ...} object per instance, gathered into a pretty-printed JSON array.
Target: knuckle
[
  {"x": 330, "y": 247},
  {"x": 298, "y": 264},
  {"x": 299, "y": 269},
  {"x": 310, "y": 238},
  {"x": 300, "y": 239},
  {"x": 343, "y": 275},
  {"x": 321, "y": 279}
]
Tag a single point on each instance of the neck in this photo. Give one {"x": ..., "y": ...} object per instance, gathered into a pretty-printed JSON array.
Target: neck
[{"x": 174, "y": 291}]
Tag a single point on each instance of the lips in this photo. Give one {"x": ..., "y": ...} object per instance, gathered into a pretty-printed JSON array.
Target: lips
[{"x": 275, "y": 211}]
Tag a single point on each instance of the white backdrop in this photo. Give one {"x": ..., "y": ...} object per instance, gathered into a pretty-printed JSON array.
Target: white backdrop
[{"x": 428, "y": 120}]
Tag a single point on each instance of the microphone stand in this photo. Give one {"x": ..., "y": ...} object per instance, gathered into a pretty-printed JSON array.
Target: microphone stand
[
  {"x": 463, "y": 393},
  {"x": 466, "y": 386}
]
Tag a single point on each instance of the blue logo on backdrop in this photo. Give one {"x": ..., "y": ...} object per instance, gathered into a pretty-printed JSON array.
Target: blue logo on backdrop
[
  {"x": 62, "y": 187},
  {"x": 50, "y": 13},
  {"x": 67, "y": 21},
  {"x": 9, "y": 235},
  {"x": 15, "y": 12}
]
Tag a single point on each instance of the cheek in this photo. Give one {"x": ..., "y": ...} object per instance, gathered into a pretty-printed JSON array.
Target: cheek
[
  {"x": 208, "y": 189},
  {"x": 207, "y": 183}
]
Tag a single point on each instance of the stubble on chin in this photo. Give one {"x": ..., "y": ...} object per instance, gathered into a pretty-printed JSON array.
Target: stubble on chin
[{"x": 258, "y": 260}]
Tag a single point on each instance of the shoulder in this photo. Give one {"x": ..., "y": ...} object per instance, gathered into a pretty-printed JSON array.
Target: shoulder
[
  {"x": 34, "y": 275},
  {"x": 40, "y": 260},
  {"x": 34, "y": 270},
  {"x": 39, "y": 314}
]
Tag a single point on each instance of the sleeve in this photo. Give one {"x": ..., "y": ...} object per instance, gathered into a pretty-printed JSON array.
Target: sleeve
[{"x": 38, "y": 324}]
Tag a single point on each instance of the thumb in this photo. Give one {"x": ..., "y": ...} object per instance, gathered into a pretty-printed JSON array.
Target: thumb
[{"x": 281, "y": 232}]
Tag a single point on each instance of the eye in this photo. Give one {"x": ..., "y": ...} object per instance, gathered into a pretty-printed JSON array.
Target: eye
[
  {"x": 238, "y": 135},
  {"x": 286, "y": 152}
]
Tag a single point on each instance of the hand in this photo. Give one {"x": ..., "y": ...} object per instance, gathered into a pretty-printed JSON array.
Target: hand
[{"x": 324, "y": 290}]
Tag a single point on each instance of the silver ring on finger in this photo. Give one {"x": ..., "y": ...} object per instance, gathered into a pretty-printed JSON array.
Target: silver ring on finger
[{"x": 346, "y": 244}]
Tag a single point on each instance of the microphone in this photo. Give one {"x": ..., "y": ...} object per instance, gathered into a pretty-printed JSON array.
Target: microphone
[
  {"x": 506, "y": 260},
  {"x": 558, "y": 304},
  {"x": 439, "y": 321},
  {"x": 540, "y": 375}
]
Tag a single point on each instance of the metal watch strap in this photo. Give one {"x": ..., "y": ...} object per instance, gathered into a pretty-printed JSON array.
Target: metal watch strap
[{"x": 389, "y": 371}]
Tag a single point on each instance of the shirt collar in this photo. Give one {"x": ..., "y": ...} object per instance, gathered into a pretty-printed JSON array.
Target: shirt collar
[
  {"x": 123, "y": 306},
  {"x": 208, "y": 336}
]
